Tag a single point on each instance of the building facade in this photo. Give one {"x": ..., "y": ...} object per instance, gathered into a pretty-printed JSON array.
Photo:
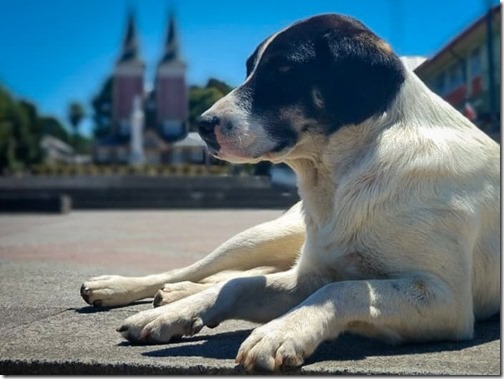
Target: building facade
[
  {"x": 466, "y": 72},
  {"x": 165, "y": 107},
  {"x": 171, "y": 89}
]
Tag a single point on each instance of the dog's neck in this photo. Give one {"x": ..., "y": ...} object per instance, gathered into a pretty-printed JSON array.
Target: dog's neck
[
  {"x": 319, "y": 170},
  {"x": 323, "y": 162},
  {"x": 326, "y": 160}
]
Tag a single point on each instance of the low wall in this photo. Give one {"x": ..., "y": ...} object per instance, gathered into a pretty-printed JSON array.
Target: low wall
[
  {"x": 145, "y": 192},
  {"x": 133, "y": 181},
  {"x": 20, "y": 202}
]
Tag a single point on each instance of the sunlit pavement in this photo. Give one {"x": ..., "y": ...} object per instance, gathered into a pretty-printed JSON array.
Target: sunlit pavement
[{"x": 46, "y": 328}]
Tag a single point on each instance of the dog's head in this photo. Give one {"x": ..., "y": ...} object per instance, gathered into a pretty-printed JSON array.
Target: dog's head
[{"x": 311, "y": 78}]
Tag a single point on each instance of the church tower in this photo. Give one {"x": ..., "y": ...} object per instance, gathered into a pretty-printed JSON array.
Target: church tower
[
  {"x": 128, "y": 82},
  {"x": 170, "y": 88}
]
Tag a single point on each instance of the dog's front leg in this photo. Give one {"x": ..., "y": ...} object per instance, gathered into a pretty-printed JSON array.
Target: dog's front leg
[
  {"x": 416, "y": 308},
  {"x": 258, "y": 299},
  {"x": 275, "y": 244}
]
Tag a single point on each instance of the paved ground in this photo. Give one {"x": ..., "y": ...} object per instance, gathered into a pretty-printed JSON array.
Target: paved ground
[{"x": 47, "y": 329}]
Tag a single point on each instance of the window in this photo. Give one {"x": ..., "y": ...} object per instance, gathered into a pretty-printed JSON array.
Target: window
[
  {"x": 455, "y": 76},
  {"x": 475, "y": 62},
  {"x": 440, "y": 83}
]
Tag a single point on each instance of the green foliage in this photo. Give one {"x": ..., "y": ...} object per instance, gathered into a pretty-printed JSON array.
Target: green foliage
[
  {"x": 223, "y": 87},
  {"x": 21, "y": 130},
  {"x": 102, "y": 109},
  {"x": 18, "y": 142},
  {"x": 52, "y": 126},
  {"x": 75, "y": 114}
]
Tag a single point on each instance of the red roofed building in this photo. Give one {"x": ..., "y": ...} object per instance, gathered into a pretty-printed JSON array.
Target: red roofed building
[
  {"x": 171, "y": 88},
  {"x": 466, "y": 71},
  {"x": 128, "y": 80}
]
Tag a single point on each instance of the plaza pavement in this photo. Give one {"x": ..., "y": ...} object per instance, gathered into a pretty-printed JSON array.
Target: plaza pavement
[{"x": 46, "y": 328}]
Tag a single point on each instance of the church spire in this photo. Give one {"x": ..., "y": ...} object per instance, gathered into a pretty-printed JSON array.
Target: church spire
[
  {"x": 171, "y": 53},
  {"x": 130, "y": 44}
]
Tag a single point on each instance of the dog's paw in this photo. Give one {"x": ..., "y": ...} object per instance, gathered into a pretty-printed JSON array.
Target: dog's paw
[
  {"x": 159, "y": 325},
  {"x": 175, "y": 291},
  {"x": 273, "y": 347},
  {"x": 110, "y": 291}
]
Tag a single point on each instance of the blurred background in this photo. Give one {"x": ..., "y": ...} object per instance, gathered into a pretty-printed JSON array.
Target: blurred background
[{"x": 98, "y": 99}]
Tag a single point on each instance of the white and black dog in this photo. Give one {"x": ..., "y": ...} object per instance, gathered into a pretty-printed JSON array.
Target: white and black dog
[{"x": 398, "y": 232}]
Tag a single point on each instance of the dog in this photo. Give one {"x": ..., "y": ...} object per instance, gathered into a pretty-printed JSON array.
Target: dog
[{"x": 396, "y": 237}]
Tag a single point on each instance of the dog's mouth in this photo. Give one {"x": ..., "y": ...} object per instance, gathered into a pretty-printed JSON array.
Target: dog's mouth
[
  {"x": 212, "y": 145},
  {"x": 226, "y": 148},
  {"x": 232, "y": 152},
  {"x": 245, "y": 147},
  {"x": 215, "y": 149}
]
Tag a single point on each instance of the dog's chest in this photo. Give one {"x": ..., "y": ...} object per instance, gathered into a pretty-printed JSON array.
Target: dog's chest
[
  {"x": 340, "y": 258},
  {"x": 341, "y": 224}
]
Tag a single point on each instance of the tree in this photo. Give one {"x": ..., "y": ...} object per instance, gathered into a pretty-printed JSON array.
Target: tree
[
  {"x": 223, "y": 87},
  {"x": 50, "y": 125},
  {"x": 19, "y": 133},
  {"x": 102, "y": 109},
  {"x": 7, "y": 140},
  {"x": 33, "y": 135}
]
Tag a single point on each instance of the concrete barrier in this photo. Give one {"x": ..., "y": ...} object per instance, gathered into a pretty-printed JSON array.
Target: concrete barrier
[
  {"x": 144, "y": 192},
  {"x": 35, "y": 202}
]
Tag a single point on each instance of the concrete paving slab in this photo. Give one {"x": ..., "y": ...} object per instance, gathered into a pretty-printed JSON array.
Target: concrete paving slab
[{"x": 46, "y": 328}]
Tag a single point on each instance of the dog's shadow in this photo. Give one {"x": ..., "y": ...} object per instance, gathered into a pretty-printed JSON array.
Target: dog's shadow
[
  {"x": 90, "y": 309},
  {"x": 352, "y": 347},
  {"x": 220, "y": 346},
  {"x": 346, "y": 347}
]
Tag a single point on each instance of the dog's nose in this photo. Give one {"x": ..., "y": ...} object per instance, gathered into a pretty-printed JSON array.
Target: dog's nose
[{"x": 207, "y": 124}]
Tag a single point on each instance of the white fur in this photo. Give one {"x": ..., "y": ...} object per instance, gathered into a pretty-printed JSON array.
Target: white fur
[{"x": 397, "y": 237}]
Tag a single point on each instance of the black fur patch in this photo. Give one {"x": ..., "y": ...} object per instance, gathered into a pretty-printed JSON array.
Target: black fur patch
[
  {"x": 283, "y": 133},
  {"x": 356, "y": 73}
]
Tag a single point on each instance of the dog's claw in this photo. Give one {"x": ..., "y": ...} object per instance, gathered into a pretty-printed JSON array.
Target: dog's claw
[
  {"x": 212, "y": 325},
  {"x": 122, "y": 328},
  {"x": 157, "y": 300},
  {"x": 84, "y": 292}
]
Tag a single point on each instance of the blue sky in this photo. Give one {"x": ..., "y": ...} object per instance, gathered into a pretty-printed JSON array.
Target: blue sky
[{"x": 55, "y": 51}]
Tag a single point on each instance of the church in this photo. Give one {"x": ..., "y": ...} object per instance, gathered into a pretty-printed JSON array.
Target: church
[{"x": 149, "y": 127}]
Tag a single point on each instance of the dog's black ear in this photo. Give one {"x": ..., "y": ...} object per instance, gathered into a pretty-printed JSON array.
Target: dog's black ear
[{"x": 360, "y": 75}]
